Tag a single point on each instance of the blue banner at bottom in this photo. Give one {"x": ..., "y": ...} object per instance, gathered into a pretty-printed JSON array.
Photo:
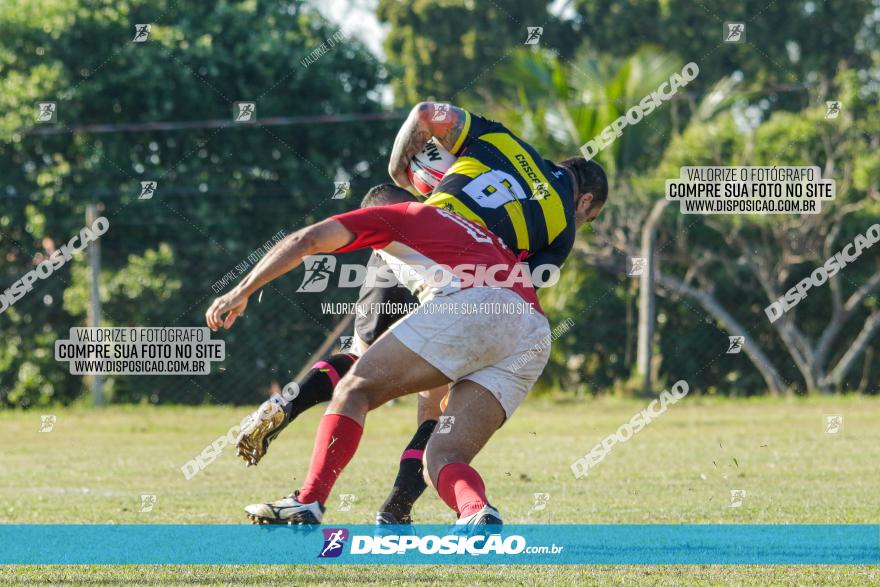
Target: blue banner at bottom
[{"x": 439, "y": 544}]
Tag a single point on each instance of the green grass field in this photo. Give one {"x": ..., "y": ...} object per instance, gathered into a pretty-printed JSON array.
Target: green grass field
[{"x": 95, "y": 464}]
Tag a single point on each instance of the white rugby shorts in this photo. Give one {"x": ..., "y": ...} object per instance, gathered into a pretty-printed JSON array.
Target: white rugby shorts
[{"x": 488, "y": 335}]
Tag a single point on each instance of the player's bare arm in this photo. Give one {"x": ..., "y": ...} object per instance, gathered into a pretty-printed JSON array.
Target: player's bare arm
[
  {"x": 426, "y": 119},
  {"x": 323, "y": 237}
]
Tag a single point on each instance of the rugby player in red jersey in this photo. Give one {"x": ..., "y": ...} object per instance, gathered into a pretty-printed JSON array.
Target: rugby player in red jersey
[
  {"x": 492, "y": 361},
  {"x": 498, "y": 181}
]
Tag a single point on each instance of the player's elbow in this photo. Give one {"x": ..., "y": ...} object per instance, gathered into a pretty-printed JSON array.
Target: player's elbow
[
  {"x": 426, "y": 113},
  {"x": 438, "y": 118},
  {"x": 306, "y": 241},
  {"x": 422, "y": 111}
]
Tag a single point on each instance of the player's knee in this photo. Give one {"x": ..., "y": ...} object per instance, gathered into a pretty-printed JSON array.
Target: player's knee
[
  {"x": 427, "y": 477},
  {"x": 432, "y": 470},
  {"x": 350, "y": 390}
]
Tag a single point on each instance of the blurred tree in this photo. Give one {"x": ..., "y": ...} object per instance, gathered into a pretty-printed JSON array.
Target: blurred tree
[
  {"x": 449, "y": 49},
  {"x": 222, "y": 192},
  {"x": 785, "y": 42},
  {"x": 740, "y": 264},
  {"x": 560, "y": 104}
]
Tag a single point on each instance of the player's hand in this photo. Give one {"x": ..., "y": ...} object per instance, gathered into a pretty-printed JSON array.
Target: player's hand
[
  {"x": 225, "y": 310},
  {"x": 398, "y": 175},
  {"x": 402, "y": 180}
]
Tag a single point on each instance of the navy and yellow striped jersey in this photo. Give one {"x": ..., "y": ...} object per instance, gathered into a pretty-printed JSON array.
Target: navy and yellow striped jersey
[{"x": 501, "y": 182}]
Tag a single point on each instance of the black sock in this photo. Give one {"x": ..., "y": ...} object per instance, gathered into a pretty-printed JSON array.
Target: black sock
[
  {"x": 410, "y": 483},
  {"x": 317, "y": 385}
]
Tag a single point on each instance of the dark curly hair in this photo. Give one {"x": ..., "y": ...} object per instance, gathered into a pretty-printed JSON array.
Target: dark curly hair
[{"x": 589, "y": 177}]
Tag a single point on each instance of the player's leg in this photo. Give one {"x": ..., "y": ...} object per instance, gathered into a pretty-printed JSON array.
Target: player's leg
[
  {"x": 378, "y": 309},
  {"x": 473, "y": 414},
  {"x": 410, "y": 482},
  {"x": 432, "y": 346},
  {"x": 267, "y": 422},
  {"x": 318, "y": 383},
  {"x": 389, "y": 302},
  {"x": 389, "y": 369},
  {"x": 480, "y": 402}
]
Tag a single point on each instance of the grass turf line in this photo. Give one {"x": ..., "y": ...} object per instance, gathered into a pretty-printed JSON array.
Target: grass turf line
[{"x": 95, "y": 464}]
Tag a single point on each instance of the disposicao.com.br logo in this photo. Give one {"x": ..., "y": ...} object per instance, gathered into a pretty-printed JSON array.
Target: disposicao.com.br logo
[
  {"x": 334, "y": 540},
  {"x": 451, "y": 544},
  {"x": 320, "y": 268}
]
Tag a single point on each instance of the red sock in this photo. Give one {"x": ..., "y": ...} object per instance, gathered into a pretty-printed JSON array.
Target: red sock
[
  {"x": 462, "y": 488},
  {"x": 335, "y": 444}
]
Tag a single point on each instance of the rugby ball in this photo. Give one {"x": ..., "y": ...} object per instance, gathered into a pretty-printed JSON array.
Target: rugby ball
[{"x": 429, "y": 166}]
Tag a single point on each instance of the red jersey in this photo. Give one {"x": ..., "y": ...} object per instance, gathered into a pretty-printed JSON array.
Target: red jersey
[{"x": 435, "y": 252}]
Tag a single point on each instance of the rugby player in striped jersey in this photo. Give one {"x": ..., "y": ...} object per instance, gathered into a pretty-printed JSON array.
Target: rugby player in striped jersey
[{"x": 499, "y": 182}]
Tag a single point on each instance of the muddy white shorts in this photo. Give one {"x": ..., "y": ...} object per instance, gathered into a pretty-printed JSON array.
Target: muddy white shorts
[{"x": 488, "y": 335}]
